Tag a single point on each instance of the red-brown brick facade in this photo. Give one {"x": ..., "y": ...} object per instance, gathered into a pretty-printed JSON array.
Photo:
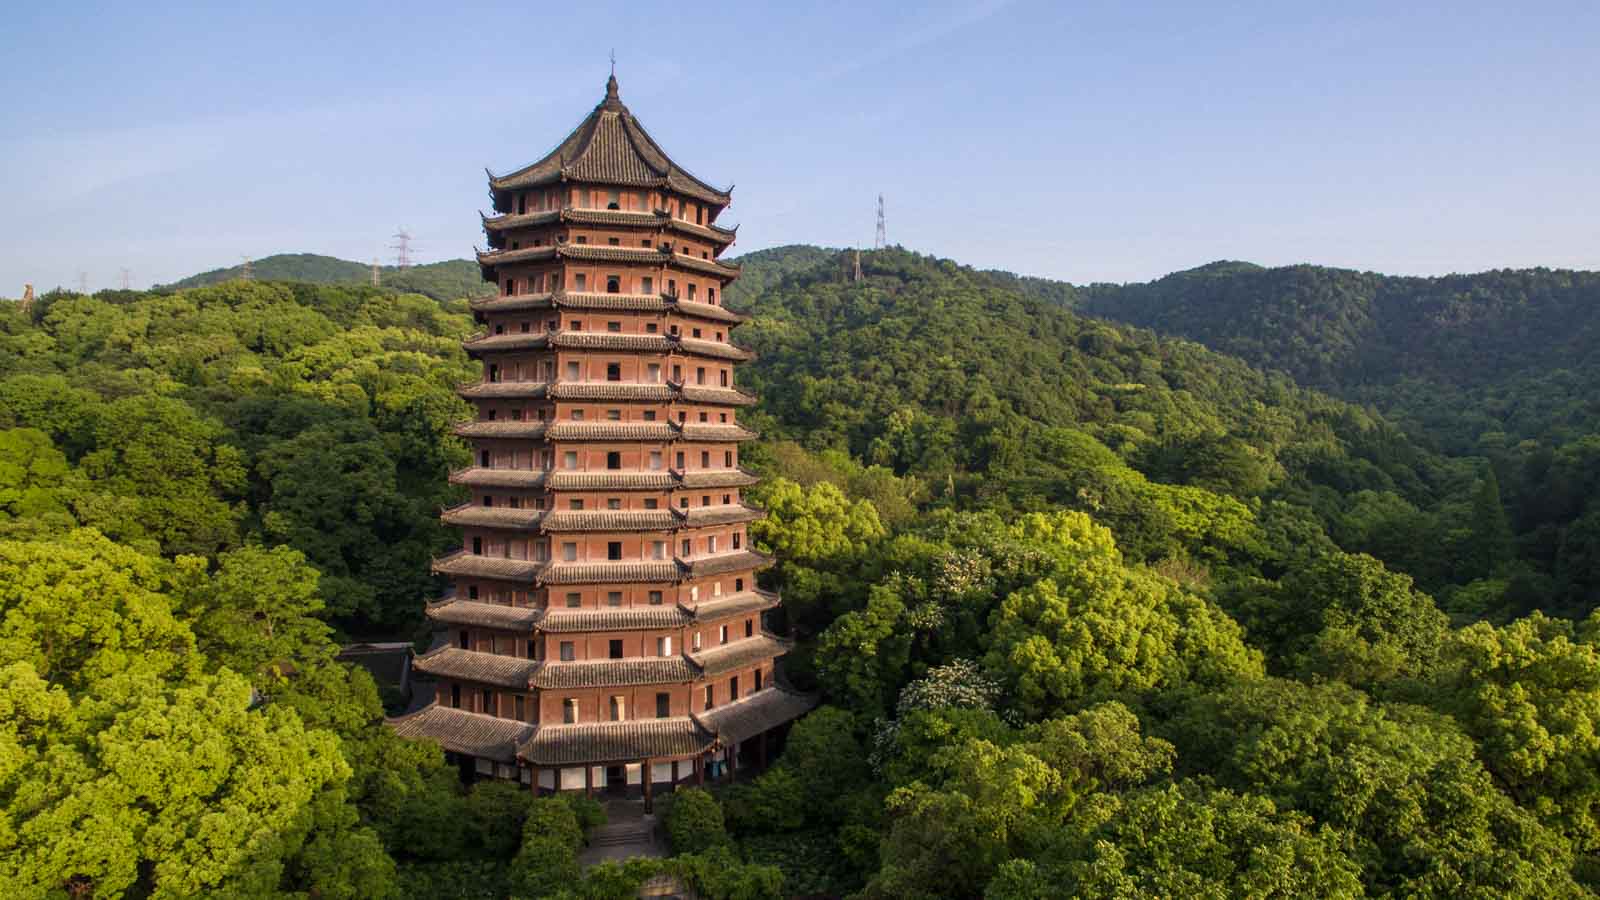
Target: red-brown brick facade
[{"x": 604, "y": 629}]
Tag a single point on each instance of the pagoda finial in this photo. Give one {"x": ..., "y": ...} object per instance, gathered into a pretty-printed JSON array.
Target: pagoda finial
[{"x": 612, "y": 100}]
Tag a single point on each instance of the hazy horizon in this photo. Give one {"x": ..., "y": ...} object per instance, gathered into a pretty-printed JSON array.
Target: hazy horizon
[{"x": 1101, "y": 143}]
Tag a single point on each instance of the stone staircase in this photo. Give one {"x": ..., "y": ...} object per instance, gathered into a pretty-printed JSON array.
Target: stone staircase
[{"x": 636, "y": 831}]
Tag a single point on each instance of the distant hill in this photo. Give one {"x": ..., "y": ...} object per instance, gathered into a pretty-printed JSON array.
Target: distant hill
[
  {"x": 448, "y": 280},
  {"x": 1460, "y": 356}
]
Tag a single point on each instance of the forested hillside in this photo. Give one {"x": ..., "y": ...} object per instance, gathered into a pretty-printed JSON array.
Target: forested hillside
[
  {"x": 449, "y": 280},
  {"x": 1092, "y": 613},
  {"x": 1469, "y": 359}
]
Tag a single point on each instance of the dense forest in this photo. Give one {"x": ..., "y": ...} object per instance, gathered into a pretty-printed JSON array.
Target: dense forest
[{"x": 1092, "y": 612}]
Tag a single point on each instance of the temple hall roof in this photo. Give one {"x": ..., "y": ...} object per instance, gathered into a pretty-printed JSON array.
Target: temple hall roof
[
  {"x": 459, "y": 731},
  {"x": 472, "y": 665},
  {"x": 741, "y": 652},
  {"x": 601, "y": 742},
  {"x": 752, "y": 715}
]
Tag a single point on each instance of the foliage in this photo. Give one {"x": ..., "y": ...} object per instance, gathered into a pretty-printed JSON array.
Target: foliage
[{"x": 694, "y": 821}]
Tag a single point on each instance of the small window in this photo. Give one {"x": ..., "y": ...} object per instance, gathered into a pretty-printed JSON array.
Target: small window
[
  {"x": 574, "y": 600},
  {"x": 477, "y": 546},
  {"x": 613, "y": 598},
  {"x": 724, "y": 374},
  {"x": 722, "y": 634},
  {"x": 711, "y": 295},
  {"x": 683, "y": 502},
  {"x": 658, "y": 550},
  {"x": 577, "y": 415},
  {"x": 483, "y": 459},
  {"x": 705, "y": 459},
  {"x": 569, "y": 651},
  {"x": 738, "y": 585},
  {"x": 652, "y": 373},
  {"x": 711, "y": 544},
  {"x": 613, "y": 284},
  {"x": 614, "y": 646},
  {"x": 464, "y": 640},
  {"x": 575, "y": 324},
  {"x": 619, "y": 708},
  {"x": 733, "y": 688},
  {"x": 455, "y": 696},
  {"x": 613, "y": 242},
  {"x": 664, "y": 646},
  {"x": 613, "y": 371},
  {"x": 569, "y": 711},
  {"x": 581, "y": 281},
  {"x": 736, "y": 536},
  {"x": 651, "y": 503},
  {"x": 696, "y": 332},
  {"x": 749, "y": 627},
  {"x": 569, "y": 551},
  {"x": 691, "y": 290},
  {"x": 655, "y": 597},
  {"x": 574, "y": 371},
  {"x": 650, "y": 328},
  {"x": 521, "y": 708},
  {"x": 696, "y": 638},
  {"x": 647, "y": 284},
  {"x": 488, "y": 500},
  {"x": 613, "y": 460},
  {"x": 569, "y": 459},
  {"x": 614, "y": 550},
  {"x": 575, "y": 503},
  {"x": 655, "y": 459},
  {"x": 613, "y": 415},
  {"x": 700, "y": 375},
  {"x": 727, "y": 459},
  {"x": 472, "y": 592},
  {"x": 709, "y": 696},
  {"x": 614, "y": 327},
  {"x": 680, "y": 460},
  {"x": 649, "y": 415},
  {"x": 663, "y": 706},
  {"x": 704, "y": 416},
  {"x": 582, "y": 239},
  {"x": 687, "y": 545},
  {"x": 613, "y": 503},
  {"x": 488, "y": 704}
]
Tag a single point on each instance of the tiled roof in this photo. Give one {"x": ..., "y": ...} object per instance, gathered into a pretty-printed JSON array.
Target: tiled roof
[
  {"x": 487, "y": 390},
  {"x": 475, "y": 476},
  {"x": 469, "y": 514},
  {"x": 731, "y": 605},
  {"x": 463, "y": 563},
  {"x": 707, "y": 311},
  {"x": 614, "y": 673},
  {"x": 710, "y": 266},
  {"x": 635, "y": 619},
  {"x": 610, "y": 147},
  {"x": 695, "y": 431},
  {"x": 728, "y": 562},
  {"x": 604, "y": 340},
  {"x": 484, "y": 668},
  {"x": 609, "y": 390},
  {"x": 495, "y": 343},
  {"x": 606, "y": 253},
  {"x": 600, "y": 481},
  {"x": 611, "y": 431},
  {"x": 760, "y": 712},
  {"x": 501, "y": 429},
  {"x": 718, "y": 478},
  {"x": 486, "y": 615},
  {"x": 630, "y": 302},
  {"x": 459, "y": 731},
  {"x": 611, "y": 573},
  {"x": 603, "y": 742},
  {"x": 700, "y": 516},
  {"x": 526, "y": 254},
  {"x": 742, "y": 652},
  {"x": 716, "y": 349},
  {"x": 625, "y": 218},
  {"x": 718, "y": 396},
  {"x": 512, "y": 304},
  {"x": 610, "y": 520}
]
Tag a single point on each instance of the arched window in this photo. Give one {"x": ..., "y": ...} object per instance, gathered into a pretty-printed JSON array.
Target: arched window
[{"x": 613, "y": 284}]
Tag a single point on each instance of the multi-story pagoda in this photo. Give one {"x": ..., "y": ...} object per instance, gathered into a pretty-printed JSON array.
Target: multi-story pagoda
[{"x": 604, "y": 629}]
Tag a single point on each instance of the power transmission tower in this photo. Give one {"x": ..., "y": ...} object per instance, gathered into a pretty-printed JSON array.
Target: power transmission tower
[
  {"x": 402, "y": 248},
  {"x": 127, "y": 277},
  {"x": 856, "y": 275},
  {"x": 374, "y": 271},
  {"x": 881, "y": 240},
  {"x": 249, "y": 272},
  {"x": 27, "y": 297},
  {"x": 83, "y": 283}
]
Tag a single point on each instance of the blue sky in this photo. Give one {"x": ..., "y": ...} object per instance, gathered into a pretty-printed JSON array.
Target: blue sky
[{"x": 1084, "y": 141}]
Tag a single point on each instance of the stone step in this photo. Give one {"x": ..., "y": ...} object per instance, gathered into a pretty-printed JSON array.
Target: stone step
[{"x": 618, "y": 837}]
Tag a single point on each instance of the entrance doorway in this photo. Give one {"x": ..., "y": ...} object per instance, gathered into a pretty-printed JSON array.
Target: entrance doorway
[{"x": 616, "y": 779}]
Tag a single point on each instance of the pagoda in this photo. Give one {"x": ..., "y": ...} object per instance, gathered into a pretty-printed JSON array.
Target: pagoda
[{"x": 604, "y": 629}]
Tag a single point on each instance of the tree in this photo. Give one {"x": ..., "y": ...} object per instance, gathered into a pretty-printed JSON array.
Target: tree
[
  {"x": 694, "y": 822},
  {"x": 1096, "y": 629},
  {"x": 259, "y": 609},
  {"x": 548, "y": 860}
]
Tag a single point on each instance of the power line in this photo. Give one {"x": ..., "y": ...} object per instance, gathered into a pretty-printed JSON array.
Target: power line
[
  {"x": 881, "y": 239},
  {"x": 402, "y": 248}
]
